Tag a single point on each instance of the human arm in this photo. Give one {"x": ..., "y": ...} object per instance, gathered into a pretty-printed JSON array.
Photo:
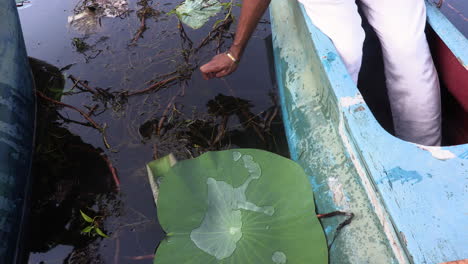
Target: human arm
[{"x": 221, "y": 64}]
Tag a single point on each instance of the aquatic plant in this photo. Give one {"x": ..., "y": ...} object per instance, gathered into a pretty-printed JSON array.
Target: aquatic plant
[
  {"x": 195, "y": 13},
  {"x": 93, "y": 227},
  {"x": 80, "y": 45},
  {"x": 236, "y": 206}
]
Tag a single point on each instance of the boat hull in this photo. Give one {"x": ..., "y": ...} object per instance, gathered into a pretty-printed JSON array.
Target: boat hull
[
  {"x": 397, "y": 190},
  {"x": 17, "y": 108}
]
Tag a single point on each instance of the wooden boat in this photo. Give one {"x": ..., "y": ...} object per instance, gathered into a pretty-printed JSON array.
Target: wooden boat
[
  {"x": 410, "y": 201},
  {"x": 17, "y": 110}
]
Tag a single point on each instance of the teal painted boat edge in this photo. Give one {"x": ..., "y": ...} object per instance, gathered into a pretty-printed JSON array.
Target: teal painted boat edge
[
  {"x": 422, "y": 188},
  {"x": 17, "y": 117},
  {"x": 366, "y": 239},
  {"x": 449, "y": 34}
]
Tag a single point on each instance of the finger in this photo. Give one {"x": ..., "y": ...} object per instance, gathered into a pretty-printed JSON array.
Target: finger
[
  {"x": 222, "y": 73},
  {"x": 209, "y": 67},
  {"x": 206, "y": 72},
  {"x": 206, "y": 76},
  {"x": 209, "y": 75}
]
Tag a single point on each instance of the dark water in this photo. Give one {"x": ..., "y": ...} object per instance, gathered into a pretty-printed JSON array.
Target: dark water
[
  {"x": 71, "y": 173},
  {"x": 70, "y": 168}
]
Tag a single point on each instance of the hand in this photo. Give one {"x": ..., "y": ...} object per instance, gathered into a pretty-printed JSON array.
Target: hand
[{"x": 221, "y": 65}]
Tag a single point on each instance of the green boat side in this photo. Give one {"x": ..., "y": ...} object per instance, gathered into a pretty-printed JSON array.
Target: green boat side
[
  {"x": 397, "y": 190},
  {"x": 17, "y": 117}
]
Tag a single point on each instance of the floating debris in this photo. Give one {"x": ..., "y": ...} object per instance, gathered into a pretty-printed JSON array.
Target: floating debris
[
  {"x": 88, "y": 14},
  {"x": 195, "y": 13}
]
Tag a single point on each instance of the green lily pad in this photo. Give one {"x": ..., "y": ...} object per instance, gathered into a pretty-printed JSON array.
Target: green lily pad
[
  {"x": 236, "y": 206},
  {"x": 195, "y": 13}
]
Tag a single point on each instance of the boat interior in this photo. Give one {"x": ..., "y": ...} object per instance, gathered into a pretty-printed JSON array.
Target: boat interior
[
  {"x": 454, "y": 86},
  {"x": 348, "y": 156}
]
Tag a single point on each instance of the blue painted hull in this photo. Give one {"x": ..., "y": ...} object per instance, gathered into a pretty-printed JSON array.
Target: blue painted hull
[
  {"x": 17, "y": 115},
  {"x": 410, "y": 201}
]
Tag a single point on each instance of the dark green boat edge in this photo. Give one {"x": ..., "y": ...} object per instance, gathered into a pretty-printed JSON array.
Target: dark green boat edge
[{"x": 17, "y": 128}]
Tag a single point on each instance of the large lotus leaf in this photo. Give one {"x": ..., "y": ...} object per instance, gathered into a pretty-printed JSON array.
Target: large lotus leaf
[
  {"x": 238, "y": 206},
  {"x": 195, "y": 13}
]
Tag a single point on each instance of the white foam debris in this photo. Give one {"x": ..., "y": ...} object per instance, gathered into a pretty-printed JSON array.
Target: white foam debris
[
  {"x": 350, "y": 101},
  {"x": 438, "y": 152}
]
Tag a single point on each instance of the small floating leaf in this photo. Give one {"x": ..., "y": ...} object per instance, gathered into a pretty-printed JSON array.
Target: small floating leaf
[
  {"x": 86, "y": 217},
  {"x": 195, "y": 13},
  {"x": 236, "y": 206}
]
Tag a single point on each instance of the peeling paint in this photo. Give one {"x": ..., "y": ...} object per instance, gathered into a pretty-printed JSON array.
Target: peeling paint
[
  {"x": 337, "y": 192},
  {"x": 438, "y": 152},
  {"x": 350, "y": 101},
  {"x": 404, "y": 176},
  {"x": 359, "y": 109},
  {"x": 311, "y": 123},
  {"x": 379, "y": 208},
  {"x": 334, "y": 141}
]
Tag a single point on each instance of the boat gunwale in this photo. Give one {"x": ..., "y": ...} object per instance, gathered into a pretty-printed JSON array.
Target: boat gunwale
[
  {"x": 352, "y": 128},
  {"x": 449, "y": 34}
]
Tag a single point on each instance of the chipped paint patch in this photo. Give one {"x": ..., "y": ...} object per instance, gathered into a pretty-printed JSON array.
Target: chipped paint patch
[
  {"x": 337, "y": 192},
  {"x": 398, "y": 174},
  {"x": 438, "y": 152},
  {"x": 350, "y": 101},
  {"x": 359, "y": 109}
]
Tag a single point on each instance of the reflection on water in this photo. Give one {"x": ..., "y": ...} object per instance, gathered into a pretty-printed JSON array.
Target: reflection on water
[
  {"x": 135, "y": 76},
  {"x": 70, "y": 176}
]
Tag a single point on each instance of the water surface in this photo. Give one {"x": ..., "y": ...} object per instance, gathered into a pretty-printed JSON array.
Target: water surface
[{"x": 71, "y": 169}]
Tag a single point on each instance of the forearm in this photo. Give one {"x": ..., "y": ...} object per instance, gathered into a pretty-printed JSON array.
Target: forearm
[{"x": 251, "y": 12}]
